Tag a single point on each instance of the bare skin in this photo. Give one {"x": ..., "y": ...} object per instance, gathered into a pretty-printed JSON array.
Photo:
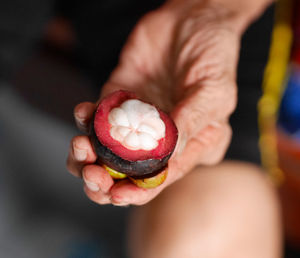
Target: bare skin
[
  {"x": 181, "y": 57},
  {"x": 224, "y": 211}
]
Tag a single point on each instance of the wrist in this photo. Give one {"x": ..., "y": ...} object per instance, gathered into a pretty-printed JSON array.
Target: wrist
[
  {"x": 239, "y": 14},
  {"x": 243, "y": 12}
]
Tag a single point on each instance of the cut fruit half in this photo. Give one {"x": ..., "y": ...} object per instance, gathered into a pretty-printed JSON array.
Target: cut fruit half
[{"x": 132, "y": 137}]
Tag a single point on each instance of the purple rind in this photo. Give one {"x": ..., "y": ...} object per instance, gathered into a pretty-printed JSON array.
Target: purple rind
[{"x": 137, "y": 169}]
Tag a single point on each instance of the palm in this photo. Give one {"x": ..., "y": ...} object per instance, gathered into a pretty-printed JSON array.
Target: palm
[{"x": 186, "y": 67}]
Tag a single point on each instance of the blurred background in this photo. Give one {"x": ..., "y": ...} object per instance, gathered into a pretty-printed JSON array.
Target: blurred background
[{"x": 53, "y": 55}]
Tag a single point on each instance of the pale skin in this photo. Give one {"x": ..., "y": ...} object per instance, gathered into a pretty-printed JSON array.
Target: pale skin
[
  {"x": 182, "y": 58},
  {"x": 224, "y": 211}
]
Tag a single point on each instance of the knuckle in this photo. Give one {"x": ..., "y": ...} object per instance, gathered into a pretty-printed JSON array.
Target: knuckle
[
  {"x": 81, "y": 142},
  {"x": 90, "y": 172}
]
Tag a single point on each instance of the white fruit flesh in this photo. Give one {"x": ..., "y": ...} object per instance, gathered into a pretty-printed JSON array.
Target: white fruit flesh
[{"x": 136, "y": 125}]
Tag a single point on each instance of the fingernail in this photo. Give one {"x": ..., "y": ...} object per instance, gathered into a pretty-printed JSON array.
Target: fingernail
[
  {"x": 80, "y": 121},
  {"x": 79, "y": 115},
  {"x": 80, "y": 154},
  {"x": 92, "y": 186}
]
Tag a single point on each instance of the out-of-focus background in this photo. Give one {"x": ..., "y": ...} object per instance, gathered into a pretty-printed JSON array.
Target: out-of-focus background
[{"x": 53, "y": 55}]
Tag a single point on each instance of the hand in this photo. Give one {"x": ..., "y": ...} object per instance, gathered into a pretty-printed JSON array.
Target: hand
[{"x": 183, "y": 59}]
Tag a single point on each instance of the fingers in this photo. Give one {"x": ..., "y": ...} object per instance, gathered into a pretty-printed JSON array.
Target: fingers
[
  {"x": 100, "y": 188},
  {"x": 97, "y": 183},
  {"x": 97, "y": 197},
  {"x": 125, "y": 192},
  {"x": 81, "y": 153},
  {"x": 97, "y": 178},
  {"x": 83, "y": 114},
  {"x": 206, "y": 76}
]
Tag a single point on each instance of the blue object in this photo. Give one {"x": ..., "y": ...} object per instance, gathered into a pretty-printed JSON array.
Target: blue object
[{"x": 289, "y": 112}]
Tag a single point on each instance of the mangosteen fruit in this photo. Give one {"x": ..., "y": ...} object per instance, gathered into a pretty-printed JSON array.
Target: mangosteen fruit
[{"x": 133, "y": 138}]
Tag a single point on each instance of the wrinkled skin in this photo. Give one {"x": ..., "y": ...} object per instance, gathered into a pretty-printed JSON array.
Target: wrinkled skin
[{"x": 183, "y": 59}]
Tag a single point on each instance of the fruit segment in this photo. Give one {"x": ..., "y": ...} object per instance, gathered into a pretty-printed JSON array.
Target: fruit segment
[{"x": 136, "y": 125}]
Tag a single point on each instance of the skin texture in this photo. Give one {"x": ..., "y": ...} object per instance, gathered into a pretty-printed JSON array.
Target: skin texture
[{"x": 182, "y": 58}]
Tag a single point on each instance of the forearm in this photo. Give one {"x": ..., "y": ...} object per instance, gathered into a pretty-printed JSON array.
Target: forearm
[{"x": 241, "y": 12}]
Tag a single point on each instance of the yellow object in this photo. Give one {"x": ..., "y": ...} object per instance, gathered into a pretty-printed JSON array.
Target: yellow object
[
  {"x": 273, "y": 86},
  {"x": 114, "y": 174},
  {"x": 147, "y": 183},
  {"x": 151, "y": 182}
]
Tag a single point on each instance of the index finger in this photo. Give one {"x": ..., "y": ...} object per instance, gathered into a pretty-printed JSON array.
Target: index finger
[{"x": 125, "y": 192}]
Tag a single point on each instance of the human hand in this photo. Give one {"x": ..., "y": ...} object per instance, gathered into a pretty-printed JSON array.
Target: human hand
[{"x": 182, "y": 58}]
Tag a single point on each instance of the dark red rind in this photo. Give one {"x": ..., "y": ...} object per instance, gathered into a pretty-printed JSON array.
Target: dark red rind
[
  {"x": 136, "y": 169},
  {"x": 143, "y": 164},
  {"x": 102, "y": 130}
]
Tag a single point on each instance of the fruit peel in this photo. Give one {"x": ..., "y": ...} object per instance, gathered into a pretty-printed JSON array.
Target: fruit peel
[{"x": 150, "y": 182}]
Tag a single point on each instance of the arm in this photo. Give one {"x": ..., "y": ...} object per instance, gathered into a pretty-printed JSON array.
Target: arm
[
  {"x": 243, "y": 12},
  {"x": 181, "y": 57}
]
